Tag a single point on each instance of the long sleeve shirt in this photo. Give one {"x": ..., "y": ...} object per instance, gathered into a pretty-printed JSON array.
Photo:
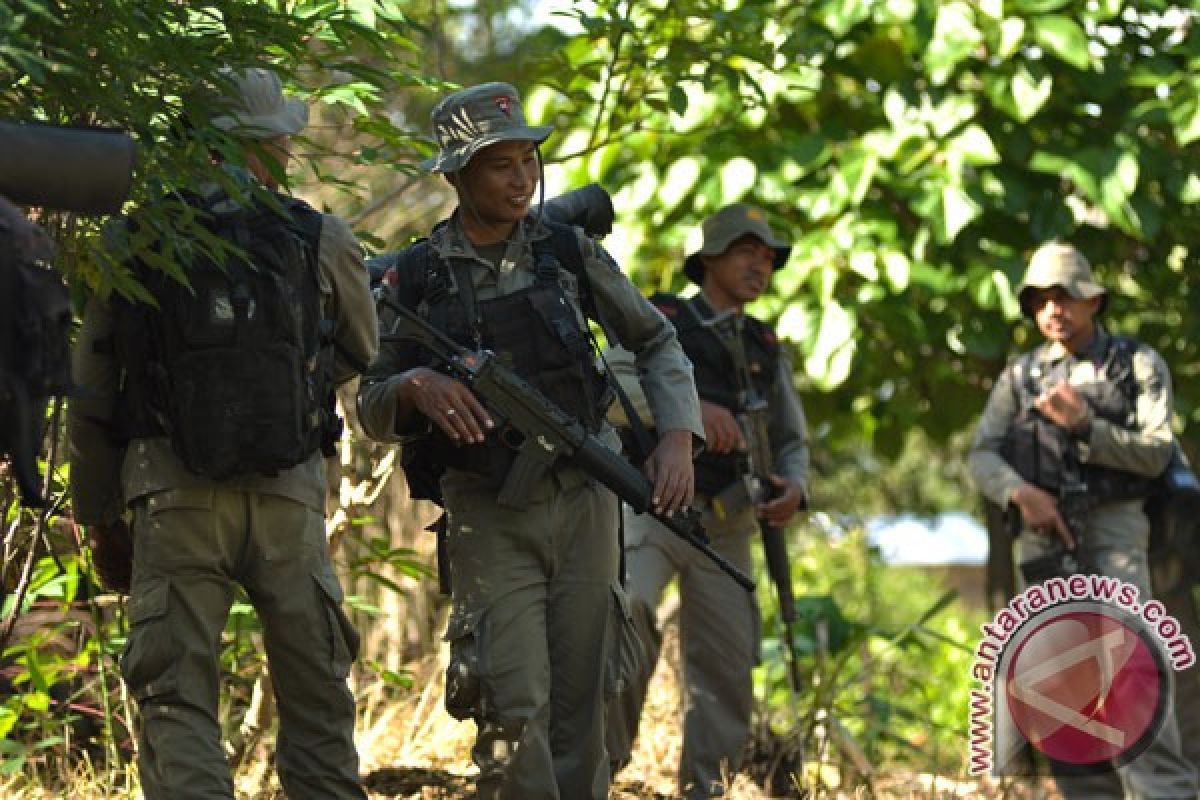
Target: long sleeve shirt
[{"x": 1143, "y": 449}]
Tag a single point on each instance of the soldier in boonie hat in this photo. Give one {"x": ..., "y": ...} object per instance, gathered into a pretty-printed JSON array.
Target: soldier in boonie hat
[
  {"x": 469, "y": 120},
  {"x": 727, "y": 226},
  {"x": 1059, "y": 264}
]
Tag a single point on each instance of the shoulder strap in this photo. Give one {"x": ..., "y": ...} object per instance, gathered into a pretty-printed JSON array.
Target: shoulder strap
[
  {"x": 564, "y": 244},
  {"x": 1123, "y": 348}
]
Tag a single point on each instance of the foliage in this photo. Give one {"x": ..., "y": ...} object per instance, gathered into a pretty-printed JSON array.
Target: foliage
[
  {"x": 916, "y": 152},
  {"x": 885, "y": 660}
]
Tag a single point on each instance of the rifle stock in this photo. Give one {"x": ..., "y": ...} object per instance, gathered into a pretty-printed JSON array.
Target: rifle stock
[{"x": 547, "y": 433}]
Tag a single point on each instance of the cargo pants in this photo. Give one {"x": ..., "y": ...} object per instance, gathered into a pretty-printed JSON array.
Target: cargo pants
[
  {"x": 529, "y": 634},
  {"x": 719, "y": 633},
  {"x": 1116, "y": 539},
  {"x": 192, "y": 545}
]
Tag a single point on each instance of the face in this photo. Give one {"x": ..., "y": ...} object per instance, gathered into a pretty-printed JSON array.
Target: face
[
  {"x": 1063, "y": 318},
  {"x": 740, "y": 274},
  {"x": 261, "y": 154},
  {"x": 497, "y": 186}
]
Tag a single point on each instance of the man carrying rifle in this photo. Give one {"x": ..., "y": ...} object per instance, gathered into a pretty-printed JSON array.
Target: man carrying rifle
[
  {"x": 1070, "y": 441},
  {"x": 753, "y": 473},
  {"x": 532, "y": 551}
]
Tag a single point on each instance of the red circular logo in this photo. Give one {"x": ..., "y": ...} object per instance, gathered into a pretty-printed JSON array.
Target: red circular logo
[{"x": 1086, "y": 688}]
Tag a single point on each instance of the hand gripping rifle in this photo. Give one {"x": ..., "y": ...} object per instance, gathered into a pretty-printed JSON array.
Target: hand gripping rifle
[{"x": 542, "y": 433}]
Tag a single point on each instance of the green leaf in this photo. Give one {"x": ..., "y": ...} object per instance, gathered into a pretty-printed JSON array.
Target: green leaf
[
  {"x": 832, "y": 352},
  {"x": 955, "y": 38},
  {"x": 1030, "y": 91},
  {"x": 678, "y": 100},
  {"x": 1063, "y": 37},
  {"x": 958, "y": 210},
  {"x": 1012, "y": 31}
]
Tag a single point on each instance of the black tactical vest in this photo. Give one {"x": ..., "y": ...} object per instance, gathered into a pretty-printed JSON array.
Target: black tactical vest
[
  {"x": 237, "y": 367},
  {"x": 715, "y": 374},
  {"x": 533, "y": 331},
  {"x": 1044, "y": 454}
]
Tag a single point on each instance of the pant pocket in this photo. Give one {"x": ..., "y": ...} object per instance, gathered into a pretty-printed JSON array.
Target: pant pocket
[
  {"x": 464, "y": 679},
  {"x": 343, "y": 638},
  {"x": 626, "y": 654},
  {"x": 148, "y": 664}
]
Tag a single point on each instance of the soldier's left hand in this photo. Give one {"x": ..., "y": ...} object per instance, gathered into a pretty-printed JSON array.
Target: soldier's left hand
[
  {"x": 669, "y": 468},
  {"x": 1063, "y": 406},
  {"x": 778, "y": 511}
]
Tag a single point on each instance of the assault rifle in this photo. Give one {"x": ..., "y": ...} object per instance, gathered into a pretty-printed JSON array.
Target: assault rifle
[
  {"x": 757, "y": 482},
  {"x": 541, "y": 433}
]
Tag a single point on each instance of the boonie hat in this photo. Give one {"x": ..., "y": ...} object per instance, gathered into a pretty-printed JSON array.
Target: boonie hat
[
  {"x": 257, "y": 108},
  {"x": 1059, "y": 264},
  {"x": 727, "y": 226},
  {"x": 471, "y": 119}
]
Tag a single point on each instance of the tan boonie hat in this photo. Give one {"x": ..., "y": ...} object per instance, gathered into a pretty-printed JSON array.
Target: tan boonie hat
[
  {"x": 1059, "y": 264},
  {"x": 471, "y": 119},
  {"x": 727, "y": 226},
  {"x": 257, "y": 109}
]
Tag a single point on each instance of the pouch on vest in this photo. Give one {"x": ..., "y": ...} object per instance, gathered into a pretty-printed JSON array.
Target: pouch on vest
[{"x": 236, "y": 368}]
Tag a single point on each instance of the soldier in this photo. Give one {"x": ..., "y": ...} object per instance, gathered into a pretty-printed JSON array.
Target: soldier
[
  {"x": 735, "y": 357},
  {"x": 139, "y": 454},
  {"x": 532, "y": 587},
  {"x": 1104, "y": 403}
]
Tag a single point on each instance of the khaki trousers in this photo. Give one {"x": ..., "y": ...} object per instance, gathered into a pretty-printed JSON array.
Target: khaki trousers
[
  {"x": 719, "y": 638},
  {"x": 529, "y": 635},
  {"x": 192, "y": 546}
]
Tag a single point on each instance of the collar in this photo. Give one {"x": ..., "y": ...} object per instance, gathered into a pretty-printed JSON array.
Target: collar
[
  {"x": 449, "y": 240},
  {"x": 1095, "y": 352},
  {"x": 706, "y": 312}
]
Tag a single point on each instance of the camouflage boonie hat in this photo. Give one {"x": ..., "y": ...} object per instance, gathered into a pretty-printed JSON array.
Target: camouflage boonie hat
[
  {"x": 471, "y": 119},
  {"x": 727, "y": 226},
  {"x": 1059, "y": 264}
]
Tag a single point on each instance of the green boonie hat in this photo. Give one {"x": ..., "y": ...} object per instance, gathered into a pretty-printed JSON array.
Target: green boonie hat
[
  {"x": 1059, "y": 264},
  {"x": 727, "y": 226},
  {"x": 471, "y": 119}
]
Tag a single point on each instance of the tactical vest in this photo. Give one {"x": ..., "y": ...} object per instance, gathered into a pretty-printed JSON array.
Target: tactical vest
[
  {"x": 533, "y": 331},
  {"x": 714, "y": 372},
  {"x": 1044, "y": 454},
  {"x": 236, "y": 369}
]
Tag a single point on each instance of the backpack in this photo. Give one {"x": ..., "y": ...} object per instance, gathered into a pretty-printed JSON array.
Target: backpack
[{"x": 237, "y": 367}]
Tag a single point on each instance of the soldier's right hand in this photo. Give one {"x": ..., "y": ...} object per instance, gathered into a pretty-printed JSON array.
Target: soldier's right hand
[
  {"x": 722, "y": 434},
  {"x": 448, "y": 403},
  {"x": 1039, "y": 511}
]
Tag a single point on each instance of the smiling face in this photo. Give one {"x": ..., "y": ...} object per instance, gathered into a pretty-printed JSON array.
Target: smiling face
[
  {"x": 1063, "y": 318},
  {"x": 740, "y": 274},
  {"x": 495, "y": 189}
]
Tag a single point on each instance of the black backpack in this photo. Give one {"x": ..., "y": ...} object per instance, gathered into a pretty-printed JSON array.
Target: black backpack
[{"x": 236, "y": 368}]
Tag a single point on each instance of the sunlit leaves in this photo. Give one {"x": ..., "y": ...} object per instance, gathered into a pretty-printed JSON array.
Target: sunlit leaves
[
  {"x": 1030, "y": 90},
  {"x": 955, "y": 38},
  {"x": 1063, "y": 37}
]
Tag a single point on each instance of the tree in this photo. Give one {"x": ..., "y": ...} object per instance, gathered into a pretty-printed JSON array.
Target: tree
[{"x": 916, "y": 152}]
